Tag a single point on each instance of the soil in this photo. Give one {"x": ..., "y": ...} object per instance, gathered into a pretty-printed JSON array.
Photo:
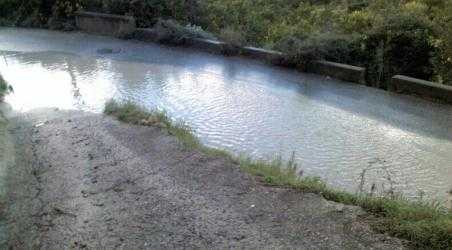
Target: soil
[{"x": 86, "y": 181}]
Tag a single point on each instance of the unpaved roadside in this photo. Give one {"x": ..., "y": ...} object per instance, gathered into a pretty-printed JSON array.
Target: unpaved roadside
[{"x": 84, "y": 180}]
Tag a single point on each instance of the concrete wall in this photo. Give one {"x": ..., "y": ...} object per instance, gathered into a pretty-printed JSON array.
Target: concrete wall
[
  {"x": 208, "y": 45},
  {"x": 105, "y": 24},
  {"x": 339, "y": 71},
  {"x": 263, "y": 54},
  {"x": 409, "y": 85}
]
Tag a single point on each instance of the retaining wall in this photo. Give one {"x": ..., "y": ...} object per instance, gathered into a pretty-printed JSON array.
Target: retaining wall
[
  {"x": 105, "y": 24},
  {"x": 409, "y": 85}
]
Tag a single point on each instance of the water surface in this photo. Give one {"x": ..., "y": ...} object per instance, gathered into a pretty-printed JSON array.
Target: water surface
[{"x": 337, "y": 130}]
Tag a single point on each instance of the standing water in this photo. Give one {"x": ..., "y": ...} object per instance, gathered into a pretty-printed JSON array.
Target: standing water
[{"x": 339, "y": 131}]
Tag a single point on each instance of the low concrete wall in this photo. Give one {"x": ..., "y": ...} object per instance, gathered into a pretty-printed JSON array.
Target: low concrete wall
[
  {"x": 339, "y": 71},
  {"x": 105, "y": 24},
  {"x": 263, "y": 54},
  {"x": 409, "y": 85},
  {"x": 208, "y": 45}
]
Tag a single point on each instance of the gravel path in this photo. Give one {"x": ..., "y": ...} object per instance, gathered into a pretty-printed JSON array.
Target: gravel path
[{"x": 86, "y": 181}]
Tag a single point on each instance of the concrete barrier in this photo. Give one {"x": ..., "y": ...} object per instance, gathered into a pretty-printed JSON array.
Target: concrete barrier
[
  {"x": 105, "y": 24},
  {"x": 208, "y": 45},
  {"x": 409, "y": 85},
  {"x": 263, "y": 54},
  {"x": 339, "y": 71}
]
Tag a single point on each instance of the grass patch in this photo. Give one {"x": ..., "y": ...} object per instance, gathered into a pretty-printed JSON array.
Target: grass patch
[
  {"x": 131, "y": 113},
  {"x": 425, "y": 225}
]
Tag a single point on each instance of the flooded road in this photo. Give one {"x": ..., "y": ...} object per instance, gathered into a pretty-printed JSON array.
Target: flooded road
[{"x": 338, "y": 131}]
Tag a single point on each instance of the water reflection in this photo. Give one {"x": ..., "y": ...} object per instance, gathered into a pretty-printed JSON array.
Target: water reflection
[{"x": 339, "y": 131}]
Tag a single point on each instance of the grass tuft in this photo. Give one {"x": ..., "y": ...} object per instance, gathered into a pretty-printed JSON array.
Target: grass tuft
[
  {"x": 131, "y": 113},
  {"x": 425, "y": 225}
]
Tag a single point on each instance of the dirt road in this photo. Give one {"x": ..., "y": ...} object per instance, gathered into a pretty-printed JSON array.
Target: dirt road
[{"x": 85, "y": 180}]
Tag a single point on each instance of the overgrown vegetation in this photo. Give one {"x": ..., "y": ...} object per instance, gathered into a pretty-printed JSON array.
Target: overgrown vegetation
[
  {"x": 425, "y": 225},
  {"x": 411, "y": 37}
]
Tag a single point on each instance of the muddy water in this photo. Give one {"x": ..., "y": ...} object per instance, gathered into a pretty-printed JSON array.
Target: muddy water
[{"x": 338, "y": 131}]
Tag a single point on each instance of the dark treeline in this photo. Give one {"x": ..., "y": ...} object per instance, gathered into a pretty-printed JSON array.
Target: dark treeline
[{"x": 411, "y": 37}]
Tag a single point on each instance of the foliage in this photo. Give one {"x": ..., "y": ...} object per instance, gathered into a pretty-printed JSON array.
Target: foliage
[
  {"x": 425, "y": 225},
  {"x": 400, "y": 43}
]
